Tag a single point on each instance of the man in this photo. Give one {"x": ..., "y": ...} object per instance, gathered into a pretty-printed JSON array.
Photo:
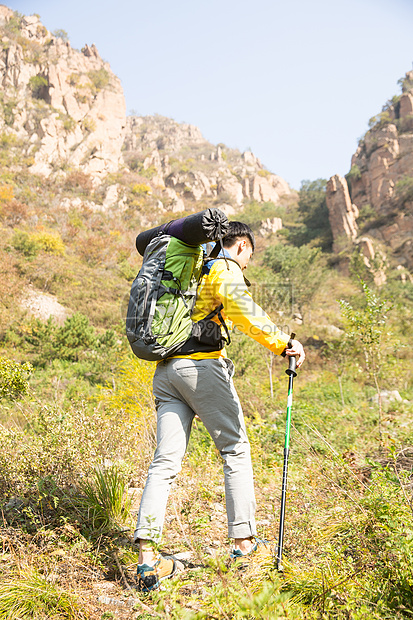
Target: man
[{"x": 201, "y": 384}]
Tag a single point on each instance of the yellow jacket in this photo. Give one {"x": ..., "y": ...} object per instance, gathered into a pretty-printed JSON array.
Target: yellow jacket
[{"x": 225, "y": 284}]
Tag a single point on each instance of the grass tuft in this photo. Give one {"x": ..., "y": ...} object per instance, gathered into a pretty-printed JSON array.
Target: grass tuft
[
  {"x": 32, "y": 596},
  {"x": 106, "y": 499}
]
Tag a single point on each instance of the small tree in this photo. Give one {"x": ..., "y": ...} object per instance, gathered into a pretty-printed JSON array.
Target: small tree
[
  {"x": 74, "y": 337},
  {"x": 315, "y": 224},
  {"x": 365, "y": 329},
  {"x": 303, "y": 269},
  {"x": 14, "y": 378},
  {"x": 337, "y": 353},
  {"x": 61, "y": 34}
]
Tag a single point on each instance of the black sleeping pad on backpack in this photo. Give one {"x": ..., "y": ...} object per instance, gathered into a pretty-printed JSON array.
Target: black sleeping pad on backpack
[{"x": 207, "y": 225}]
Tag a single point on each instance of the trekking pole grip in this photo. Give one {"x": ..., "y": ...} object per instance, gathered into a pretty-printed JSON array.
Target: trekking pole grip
[
  {"x": 291, "y": 367},
  {"x": 291, "y": 372}
]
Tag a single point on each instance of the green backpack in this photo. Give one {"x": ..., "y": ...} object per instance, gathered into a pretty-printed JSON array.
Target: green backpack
[{"x": 162, "y": 298}]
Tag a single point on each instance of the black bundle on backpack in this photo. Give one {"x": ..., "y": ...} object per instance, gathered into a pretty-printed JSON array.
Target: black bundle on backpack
[
  {"x": 194, "y": 229},
  {"x": 163, "y": 295}
]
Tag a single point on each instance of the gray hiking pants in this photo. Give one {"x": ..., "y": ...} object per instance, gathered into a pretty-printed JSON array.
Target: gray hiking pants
[{"x": 182, "y": 388}]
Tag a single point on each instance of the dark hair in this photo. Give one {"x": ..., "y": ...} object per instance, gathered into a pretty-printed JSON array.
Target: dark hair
[{"x": 238, "y": 230}]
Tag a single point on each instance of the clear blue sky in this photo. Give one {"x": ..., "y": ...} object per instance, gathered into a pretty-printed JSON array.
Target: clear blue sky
[{"x": 296, "y": 81}]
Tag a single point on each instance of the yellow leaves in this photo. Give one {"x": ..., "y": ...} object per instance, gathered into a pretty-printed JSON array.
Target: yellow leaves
[
  {"x": 6, "y": 193},
  {"x": 130, "y": 396},
  {"x": 141, "y": 188},
  {"x": 30, "y": 244},
  {"x": 49, "y": 242}
]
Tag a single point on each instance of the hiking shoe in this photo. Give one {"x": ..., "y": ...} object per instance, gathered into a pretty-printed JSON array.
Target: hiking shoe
[
  {"x": 260, "y": 553},
  {"x": 150, "y": 577}
]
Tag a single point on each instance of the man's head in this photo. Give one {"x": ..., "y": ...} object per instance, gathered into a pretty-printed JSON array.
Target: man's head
[{"x": 239, "y": 243}]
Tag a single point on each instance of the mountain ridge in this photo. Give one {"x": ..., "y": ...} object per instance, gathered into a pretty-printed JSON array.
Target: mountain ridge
[{"x": 68, "y": 108}]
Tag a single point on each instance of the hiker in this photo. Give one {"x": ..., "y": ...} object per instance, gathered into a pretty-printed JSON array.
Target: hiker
[{"x": 201, "y": 384}]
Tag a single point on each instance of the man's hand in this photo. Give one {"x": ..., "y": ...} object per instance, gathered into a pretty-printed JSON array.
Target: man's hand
[{"x": 297, "y": 350}]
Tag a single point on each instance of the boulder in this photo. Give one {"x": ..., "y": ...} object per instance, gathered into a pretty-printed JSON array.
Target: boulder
[
  {"x": 229, "y": 210},
  {"x": 270, "y": 226},
  {"x": 172, "y": 201},
  {"x": 269, "y": 188},
  {"x": 5, "y": 14},
  {"x": 249, "y": 158},
  {"x": 232, "y": 187},
  {"x": 370, "y": 255},
  {"x": 192, "y": 184},
  {"x": 388, "y": 396}
]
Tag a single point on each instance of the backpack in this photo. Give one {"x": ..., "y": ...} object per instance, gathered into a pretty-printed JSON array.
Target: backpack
[{"x": 163, "y": 296}]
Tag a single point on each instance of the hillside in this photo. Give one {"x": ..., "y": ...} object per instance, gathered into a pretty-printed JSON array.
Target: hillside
[
  {"x": 78, "y": 180},
  {"x": 372, "y": 206}
]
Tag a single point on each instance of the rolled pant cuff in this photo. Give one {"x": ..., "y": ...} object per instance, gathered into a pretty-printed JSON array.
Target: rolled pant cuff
[
  {"x": 146, "y": 534},
  {"x": 242, "y": 530}
]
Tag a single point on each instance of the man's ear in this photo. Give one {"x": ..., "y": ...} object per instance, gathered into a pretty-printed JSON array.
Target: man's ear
[{"x": 241, "y": 245}]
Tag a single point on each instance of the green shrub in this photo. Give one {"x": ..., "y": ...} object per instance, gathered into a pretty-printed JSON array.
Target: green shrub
[
  {"x": 99, "y": 79},
  {"x": 37, "y": 84},
  {"x": 366, "y": 214},
  {"x": 302, "y": 270},
  {"x": 314, "y": 226},
  {"x": 73, "y": 341},
  {"x": 74, "y": 338},
  {"x": 30, "y": 244},
  {"x": 406, "y": 83},
  {"x": 13, "y": 25},
  {"x": 404, "y": 189},
  {"x": 405, "y": 124},
  {"x": 366, "y": 570},
  {"x": 24, "y": 243},
  {"x": 255, "y": 212},
  {"x": 89, "y": 124},
  {"x": 7, "y": 140},
  {"x": 14, "y": 378},
  {"x": 73, "y": 79},
  {"x": 380, "y": 120},
  {"x": 354, "y": 173},
  {"x": 366, "y": 330},
  {"x": 41, "y": 335},
  {"x": 8, "y": 111},
  {"x": 69, "y": 123},
  {"x": 61, "y": 34}
]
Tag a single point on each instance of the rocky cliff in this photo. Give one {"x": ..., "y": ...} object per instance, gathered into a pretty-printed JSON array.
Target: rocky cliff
[
  {"x": 188, "y": 168},
  {"x": 67, "y": 106},
  {"x": 66, "y": 109},
  {"x": 375, "y": 199}
]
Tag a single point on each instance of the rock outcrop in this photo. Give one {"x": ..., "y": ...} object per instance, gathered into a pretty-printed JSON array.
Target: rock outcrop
[
  {"x": 67, "y": 105},
  {"x": 67, "y": 110},
  {"x": 177, "y": 156},
  {"x": 380, "y": 183},
  {"x": 343, "y": 214},
  {"x": 270, "y": 226}
]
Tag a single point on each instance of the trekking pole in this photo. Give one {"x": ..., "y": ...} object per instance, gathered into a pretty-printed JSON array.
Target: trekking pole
[{"x": 291, "y": 374}]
